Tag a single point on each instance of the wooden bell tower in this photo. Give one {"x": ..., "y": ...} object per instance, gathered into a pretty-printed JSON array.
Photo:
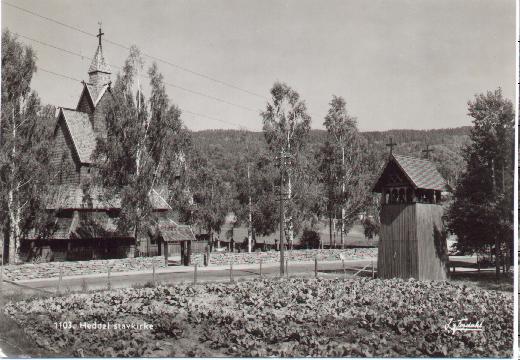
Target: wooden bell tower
[{"x": 412, "y": 240}]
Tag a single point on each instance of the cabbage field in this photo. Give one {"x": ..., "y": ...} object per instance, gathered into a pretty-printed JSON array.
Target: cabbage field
[{"x": 274, "y": 317}]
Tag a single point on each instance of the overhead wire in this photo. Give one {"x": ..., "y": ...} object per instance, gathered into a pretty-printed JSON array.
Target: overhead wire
[
  {"x": 165, "y": 61},
  {"x": 183, "y": 110},
  {"x": 115, "y": 43},
  {"x": 195, "y": 92}
]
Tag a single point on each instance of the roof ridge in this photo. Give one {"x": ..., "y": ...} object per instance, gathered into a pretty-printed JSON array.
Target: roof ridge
[
  {"x": 71, "y": 109},
  {"x": 412, "y": 157}
]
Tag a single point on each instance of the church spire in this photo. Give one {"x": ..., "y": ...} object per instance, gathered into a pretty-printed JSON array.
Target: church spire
[{"x": 99, "y": 71}]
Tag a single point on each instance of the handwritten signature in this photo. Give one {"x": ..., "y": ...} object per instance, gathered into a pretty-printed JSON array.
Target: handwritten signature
[{"x": 463, "y": 325}]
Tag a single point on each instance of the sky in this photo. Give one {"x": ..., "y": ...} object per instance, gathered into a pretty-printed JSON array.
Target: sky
[{"x": 399, "y": 64}]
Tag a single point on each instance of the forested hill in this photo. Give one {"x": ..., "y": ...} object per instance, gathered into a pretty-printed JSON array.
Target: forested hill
[
  {"x": 230, "y": 139},
  {"x": 221, "y": 147}
]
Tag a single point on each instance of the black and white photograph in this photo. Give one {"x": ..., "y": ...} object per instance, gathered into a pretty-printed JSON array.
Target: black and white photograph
[{"x": 258, "y": 178}]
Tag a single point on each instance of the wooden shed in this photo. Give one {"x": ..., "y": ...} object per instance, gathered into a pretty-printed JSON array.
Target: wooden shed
[
  {"x": 412, "y": 240},
  {"x": 175, "y": 239}
]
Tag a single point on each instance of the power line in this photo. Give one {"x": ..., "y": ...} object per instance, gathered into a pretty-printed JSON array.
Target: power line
[
  {"x": 213, "y": 118},
  {"x": 198, "y": 93},
  {"x": 58, "y": 74},
  {"x": 48, "y": 19},
  {"x": 115, "y": 43},
  {"x": 183, "y": 110}
]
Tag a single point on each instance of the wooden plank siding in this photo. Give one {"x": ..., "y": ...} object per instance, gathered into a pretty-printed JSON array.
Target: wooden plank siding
[
  {"x": 407, "y": 245},
  {"x": 432, "y": 258}
]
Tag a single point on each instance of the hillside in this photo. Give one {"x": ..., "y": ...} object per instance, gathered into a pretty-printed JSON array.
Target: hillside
[{"x": 221, "y": 147}]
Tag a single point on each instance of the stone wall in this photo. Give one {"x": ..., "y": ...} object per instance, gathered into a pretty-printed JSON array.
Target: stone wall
[
  {"x": 69, "y": 268},
  {"x": 293, "y": 256}
]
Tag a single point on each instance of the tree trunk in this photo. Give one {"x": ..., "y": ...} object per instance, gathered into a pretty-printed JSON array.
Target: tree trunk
[
  {"x": 12, "y": 205},
  {"x": 11, "y": 258},
  {"x": 497, "y": 236},
  {"x": 330, "y": 229},
  {"x": 290, "y": 228}
]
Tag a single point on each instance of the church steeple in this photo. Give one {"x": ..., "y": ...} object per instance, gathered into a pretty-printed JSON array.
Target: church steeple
[{"x": 99, "y": 71}]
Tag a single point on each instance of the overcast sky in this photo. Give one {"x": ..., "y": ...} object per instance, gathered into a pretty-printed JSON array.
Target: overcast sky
[{"x": 398, "y": 64}]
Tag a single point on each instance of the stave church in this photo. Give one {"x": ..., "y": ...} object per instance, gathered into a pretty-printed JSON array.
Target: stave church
[{"x": 85, "y": 225}]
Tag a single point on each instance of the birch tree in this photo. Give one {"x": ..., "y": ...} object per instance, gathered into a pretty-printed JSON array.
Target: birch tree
[
  {"x": 349, "y": 162},
  {"x": 24, "y": 148},
  {"x": 286, "y": 125}
]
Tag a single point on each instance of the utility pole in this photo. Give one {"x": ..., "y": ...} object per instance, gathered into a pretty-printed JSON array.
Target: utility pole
[
  {"x": 250, "y": 230},
  {"x": 342, "y": 227},
  {"x": 282, "y": 158}
]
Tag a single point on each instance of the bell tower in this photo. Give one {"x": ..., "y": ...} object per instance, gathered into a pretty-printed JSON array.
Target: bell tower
[
  {"x": 99, "y": 71},
  {"x": 412, "y": 240}
]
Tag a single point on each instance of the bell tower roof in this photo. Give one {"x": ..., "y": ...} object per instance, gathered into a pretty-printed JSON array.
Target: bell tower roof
[{"x": 98, "y": 63}]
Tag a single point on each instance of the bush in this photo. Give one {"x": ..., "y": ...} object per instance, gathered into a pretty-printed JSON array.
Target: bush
[{"x": 310, "y": 239}]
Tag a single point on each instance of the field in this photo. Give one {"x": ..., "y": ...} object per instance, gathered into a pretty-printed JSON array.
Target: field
[{"x": 274, "y": 317}]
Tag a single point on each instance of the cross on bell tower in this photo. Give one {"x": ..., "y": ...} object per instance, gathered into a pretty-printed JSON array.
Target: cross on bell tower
[
  {"x": 427, "y": 152},
  {"x": 100, "y": 34},
  {"x": 391, "y": 146}
]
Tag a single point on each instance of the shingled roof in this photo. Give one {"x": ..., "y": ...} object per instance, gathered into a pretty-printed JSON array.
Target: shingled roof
[
  {"x": 98, "y": 62},
  {"x": 96, "y": 93},
  {"x": 172, "y": 232},
  {"x": 421, "y": 173},
  {"x": 73, "y": 197},
  {"x": 80, "y": 129}
]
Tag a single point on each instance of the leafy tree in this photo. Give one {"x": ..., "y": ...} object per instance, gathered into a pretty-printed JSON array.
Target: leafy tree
[
  {"x": 25, "y": 171},
  {"x": 286, "y": 125},
  {"x": 481, "y": 214},
  {"x": 212, "y": 196},
  {"x": 142, "y": 155},
  {"x": 347, "y": 166}
]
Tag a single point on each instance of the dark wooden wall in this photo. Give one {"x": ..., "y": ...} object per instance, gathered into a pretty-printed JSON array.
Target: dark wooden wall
[
  {"x": 433, "y": 250},
  {"x": 412, "y": 242},
  {"x": 397, "y": 242}
]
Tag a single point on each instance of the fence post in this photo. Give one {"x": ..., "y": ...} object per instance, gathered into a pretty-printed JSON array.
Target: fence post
[
  {"x": 59, "y": 280},
  {"x": 153, "y": 273},
  {"x": 287, "y": 267},
  {"x": 2, "y": 275},
  {"x": 260, "y": 267},
  {"x": 108, "y": 276},
  {"x": 231, "y": 271},
  {"x": 315, "y": 266},
  {"x": 373, "y": 269},
  {"x": 195, "y": 274},
  {"x": 344, "y": 271}
]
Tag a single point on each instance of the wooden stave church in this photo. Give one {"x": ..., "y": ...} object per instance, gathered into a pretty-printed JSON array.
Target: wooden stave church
[
  {"x": 85, "y": 224},
  {"x": 412, "y": 240}
]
